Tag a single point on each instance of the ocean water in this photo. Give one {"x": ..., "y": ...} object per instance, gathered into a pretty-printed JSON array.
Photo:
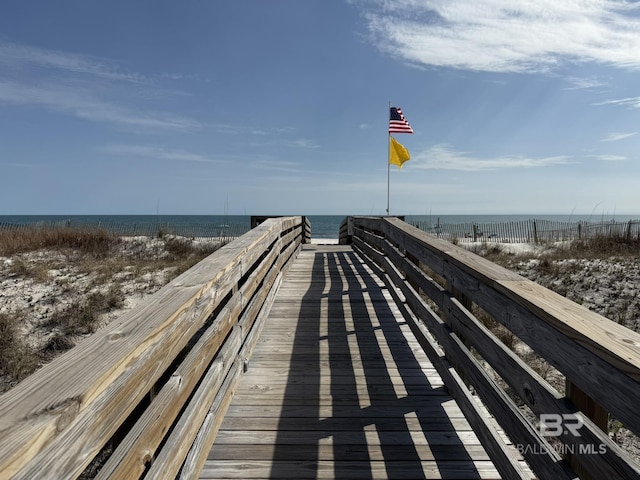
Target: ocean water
[{"x": 322, "y": 226}]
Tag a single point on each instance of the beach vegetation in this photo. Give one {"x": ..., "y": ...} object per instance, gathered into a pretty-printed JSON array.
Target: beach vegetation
[
  {"x": 89, "y": 240},
  {"x": 17, "y": 358},
  {"x": 69, "y": 281}
]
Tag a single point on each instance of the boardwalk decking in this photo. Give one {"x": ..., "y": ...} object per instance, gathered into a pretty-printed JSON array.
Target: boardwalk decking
[{"x": 337, "y": 387}]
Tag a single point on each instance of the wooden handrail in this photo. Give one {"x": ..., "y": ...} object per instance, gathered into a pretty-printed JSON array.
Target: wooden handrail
[
  {"x": 597, "y": 355},
  {"x": 178, "y": 350}
]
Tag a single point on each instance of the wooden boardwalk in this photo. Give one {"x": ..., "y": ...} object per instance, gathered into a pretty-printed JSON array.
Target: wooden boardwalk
[{"x": 338, "y": 387}]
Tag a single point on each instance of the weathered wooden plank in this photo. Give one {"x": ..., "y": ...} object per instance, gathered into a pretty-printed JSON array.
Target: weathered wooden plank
[
  {"x": 178, "y": 445},
  {"x": 539, "y": 396},
  {"x": 617, "y": 345},
  {"x": 194, "y": 461},
  {"x": 483, "y": 281},
  {"x": 498, "y": 403},
  {"x": 407, "y": 405},
  {"x": 340, "y": 392},
  {"x": 210, "y": 425},
  {"x": 217, "y": 385},
  {"x": 325, "y": 451},
  {"x": 355, "y": 422},
  {"x": 260, "y": 360},
  {"x": 298, "y": 398},
  {"x": 45, "y": 404},
  {"x": 490, "y": 436},
  {"x": 374, "y": 376},
  {"x": 131, "y": 457},
  {"x": 580, "y": 364},
  {"x": 341, "y": 354},
  {"x": 354, "y": 437},
  {"x": 350, "y": 469},
  {"x": 353, "y": 377},
  {"x": 611, "y": 462},
  {"x": 280, "y": 373},
  {"x": 491, "y": 439},
  {"x": 139, "y": 446}
]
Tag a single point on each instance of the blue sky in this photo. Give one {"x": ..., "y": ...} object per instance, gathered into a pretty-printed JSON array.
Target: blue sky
[{"x": 281, "y": 106}]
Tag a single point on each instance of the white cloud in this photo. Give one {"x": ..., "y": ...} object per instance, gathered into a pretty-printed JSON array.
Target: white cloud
[
  {"x": 155, "y": 152},
  {"x": 507, "y": 36},
  {"x": 84, "y": 104},
  {"x": 614, "y": 137},
  {"x": 21, "y": 57},
  {"x": 609, "y": 158},
  {"x": 633, "y": 102},
  {"x": 179, "y": 76},
  {"x": 261, "y": 131},
  {"x": 82, "y": 86},
  {"x": 443, "y": 157},
  {"x": 584, "y": 83}
]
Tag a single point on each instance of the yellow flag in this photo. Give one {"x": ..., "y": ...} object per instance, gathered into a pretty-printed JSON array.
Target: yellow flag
[{"x": 397, "y": 153}]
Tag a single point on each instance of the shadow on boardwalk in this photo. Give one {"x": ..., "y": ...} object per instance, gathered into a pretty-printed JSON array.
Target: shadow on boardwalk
[{"x": 361, "y": 400}]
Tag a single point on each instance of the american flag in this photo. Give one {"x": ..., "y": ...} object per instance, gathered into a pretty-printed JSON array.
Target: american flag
[{"x": 397, "y": 122}]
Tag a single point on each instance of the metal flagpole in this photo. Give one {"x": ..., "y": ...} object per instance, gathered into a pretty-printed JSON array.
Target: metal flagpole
[{"x": 388, "y": 155}]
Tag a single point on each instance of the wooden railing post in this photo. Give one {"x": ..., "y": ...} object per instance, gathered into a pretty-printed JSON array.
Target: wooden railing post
[
  {"x": 467, "y": 303},
  {"x": 415, "y": 261},
  {"x": 588, "y": 406},
  {"x": 592, "y": 410}
]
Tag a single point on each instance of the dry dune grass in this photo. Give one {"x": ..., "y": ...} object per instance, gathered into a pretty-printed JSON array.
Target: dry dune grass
[{"x": 58, "y": 284}]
